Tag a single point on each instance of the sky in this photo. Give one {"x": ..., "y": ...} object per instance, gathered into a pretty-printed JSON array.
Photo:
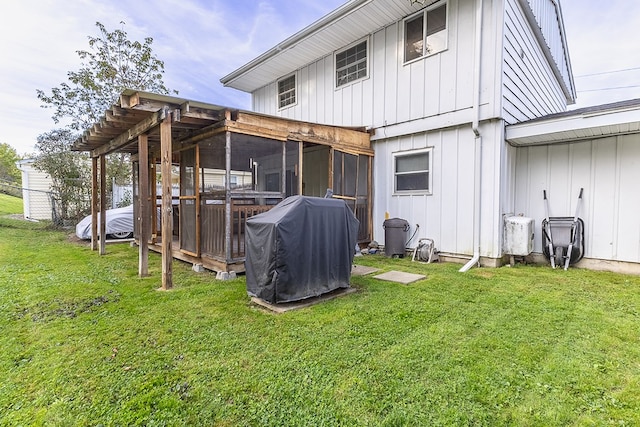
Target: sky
[{"x": 201, "y": 41}]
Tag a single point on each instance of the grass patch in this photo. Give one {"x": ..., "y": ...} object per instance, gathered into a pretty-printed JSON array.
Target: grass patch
[
  {"x": 10, "y": 205},
  {"x": 86, "y": 341}
]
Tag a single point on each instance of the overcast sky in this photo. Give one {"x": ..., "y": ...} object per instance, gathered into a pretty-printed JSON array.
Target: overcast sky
[{"x": 202, "y": 40}]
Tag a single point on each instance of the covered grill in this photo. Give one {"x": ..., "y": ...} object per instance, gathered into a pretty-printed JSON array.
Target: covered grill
[{"x": 301, "y": 248}]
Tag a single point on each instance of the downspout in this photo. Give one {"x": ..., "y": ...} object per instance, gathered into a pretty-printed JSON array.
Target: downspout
[{"x": 475, "y": 126}]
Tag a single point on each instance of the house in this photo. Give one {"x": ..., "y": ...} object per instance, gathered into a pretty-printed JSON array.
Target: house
[
  {"x": 229, "y": 164},
  {"x": 446, "y": 87},
  {"x": 36, "y": 192}
]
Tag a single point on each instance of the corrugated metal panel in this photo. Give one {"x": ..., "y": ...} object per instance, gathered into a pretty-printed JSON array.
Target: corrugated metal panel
[{"x": 608, "y": 169}]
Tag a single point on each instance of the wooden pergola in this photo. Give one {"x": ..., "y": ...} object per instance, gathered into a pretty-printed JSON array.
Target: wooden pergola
[{"x": 233, "y": 164}]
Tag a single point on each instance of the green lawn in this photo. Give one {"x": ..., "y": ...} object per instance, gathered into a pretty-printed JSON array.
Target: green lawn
[
  {"x": 10, "y": 205},
  {"x": 84, "y": 341}
]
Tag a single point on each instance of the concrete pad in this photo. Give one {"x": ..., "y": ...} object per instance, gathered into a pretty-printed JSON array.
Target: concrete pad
[
  {"x": 362, "y": 270},
  {"x": 399, "y": 277},
  {"x": 288, "y": 306}
]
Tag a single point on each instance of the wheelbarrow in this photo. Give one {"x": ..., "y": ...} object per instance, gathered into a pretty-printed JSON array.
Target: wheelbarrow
[{"x": 563, "y": 237}]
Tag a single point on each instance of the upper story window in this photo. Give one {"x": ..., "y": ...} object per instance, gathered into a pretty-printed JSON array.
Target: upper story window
[
  {"x": 352, "y": 63},
  {"x": 425, "y": 33},
  {"x": 412, "y": 171},
  {"x": 287, "y": 91}
]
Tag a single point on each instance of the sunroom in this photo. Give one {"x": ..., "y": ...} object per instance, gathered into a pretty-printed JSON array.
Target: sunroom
[{"x": 201, "y": 170}]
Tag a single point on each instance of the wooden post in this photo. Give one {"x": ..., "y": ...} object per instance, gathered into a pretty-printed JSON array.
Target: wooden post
[
  {"x": 143, "y": 207},
  {"x": 103, "y": 204},
  {"x": 227, "y": 191},
  {"x": 300, "y": 165},
  {"x": 167, "y": 208},
  {"x": 95, "y": 206}
]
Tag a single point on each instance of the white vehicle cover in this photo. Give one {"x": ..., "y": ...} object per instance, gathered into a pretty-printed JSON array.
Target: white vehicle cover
[{"x": 119, "y": 220}]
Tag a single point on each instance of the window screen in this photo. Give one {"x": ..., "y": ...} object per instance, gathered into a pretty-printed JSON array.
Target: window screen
[
  {"x": 412, "y": 171},
  {"x": 287, "y": 91},
  {"x": 351, "y": 64}
]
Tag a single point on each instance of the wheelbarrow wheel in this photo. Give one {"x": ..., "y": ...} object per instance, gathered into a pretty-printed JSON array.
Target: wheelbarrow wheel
[{"x": 559, "y": 255}]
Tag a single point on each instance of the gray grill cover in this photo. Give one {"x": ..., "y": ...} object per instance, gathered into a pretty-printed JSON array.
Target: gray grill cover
[{"x": 301, "y": 248}]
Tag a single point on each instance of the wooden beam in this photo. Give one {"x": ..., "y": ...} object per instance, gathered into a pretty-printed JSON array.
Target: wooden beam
[
  {"x": 227, "y": 198},
  {"x": 126, "y": 137},
  {"x": 95, "y": 206},
  {"x": 144, "y": 202},
  {"x": 167, "y": 207},
  {"x": 103, "y": 204}
]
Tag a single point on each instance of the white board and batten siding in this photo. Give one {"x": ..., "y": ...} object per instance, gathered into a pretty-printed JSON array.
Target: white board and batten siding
[
  {"x": 446, "y": 214},
  {"x": 393, "y": 92},
  {"x": 530, "y": 87},
  {"x": 609, "y": 171}
]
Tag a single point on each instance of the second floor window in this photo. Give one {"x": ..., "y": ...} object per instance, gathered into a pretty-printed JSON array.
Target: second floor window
[
  {"x": 351, "y": 64},
  {"x": 287, "y": 91},
  {"x": 425, "y": 33}
]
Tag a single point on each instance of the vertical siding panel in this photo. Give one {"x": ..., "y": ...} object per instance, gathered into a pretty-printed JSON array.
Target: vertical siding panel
[
  {"x": 403, "y": 81},
  {"x": 303, "y": 108},
  {"x": 628, "y": 230},
  {"x": 465, "y": 191},
  {"x": 357, "y": 104},
  {"x": 391, "y": 75},
  {"x": 312, "y": 93},
  {"x": 448, "y": 169},
  {"x": 558, "y": 189},
  {"x": 461, "y": 45},
  {"x": 431, "y": 224},
  {"x": 330, "y": 92},
  {"x": 416, "y": 93},
  {"x": 603, "y": 162},
  {"x": 379, "y": 74},
  {"x": 432, "y": 91},
  {"x": 447, "y": 63},
  {"x": 537, "y": 171}
]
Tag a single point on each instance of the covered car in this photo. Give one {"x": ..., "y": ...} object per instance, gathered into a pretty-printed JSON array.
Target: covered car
[
  {"x": 119, "y": 224},
  {"x": 303, "y": 247}
]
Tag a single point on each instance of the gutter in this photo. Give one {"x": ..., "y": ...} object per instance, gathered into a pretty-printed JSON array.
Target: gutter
[{"x": 475, "y": 126}]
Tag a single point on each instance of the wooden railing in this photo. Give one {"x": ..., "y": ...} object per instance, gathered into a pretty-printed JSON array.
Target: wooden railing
[{"x": 214, "y": 231}]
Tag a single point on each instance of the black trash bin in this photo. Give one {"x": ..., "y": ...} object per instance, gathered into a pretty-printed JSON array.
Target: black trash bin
[{"x": 395, "y": 236}]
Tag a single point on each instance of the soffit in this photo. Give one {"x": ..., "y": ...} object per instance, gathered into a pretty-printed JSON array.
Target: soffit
[
  {"x": 620, "y": 118},
  {"x": 351, "y": 22}
]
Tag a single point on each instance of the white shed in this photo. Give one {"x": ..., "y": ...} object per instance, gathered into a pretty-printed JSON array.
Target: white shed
[{"x": 36, "y": 191}]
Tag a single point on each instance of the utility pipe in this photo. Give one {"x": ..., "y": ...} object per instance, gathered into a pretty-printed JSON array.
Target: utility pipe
[{"x": 475, "y": 126}]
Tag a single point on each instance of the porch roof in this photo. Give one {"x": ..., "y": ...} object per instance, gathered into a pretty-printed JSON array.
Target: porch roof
[
  {"x": 138, "y": 113},
  {"x": 601, "y": 121}
]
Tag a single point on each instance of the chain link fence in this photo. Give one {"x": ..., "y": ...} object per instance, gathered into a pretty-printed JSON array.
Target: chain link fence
[
  {"x": 61, "y": 211},
  {"x": 42, "y": 205}
]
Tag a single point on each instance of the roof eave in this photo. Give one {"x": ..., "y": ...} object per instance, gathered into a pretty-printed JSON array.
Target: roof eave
[
  {"x": 337, "y": 14},
  {"x": 586, "y": 124}
]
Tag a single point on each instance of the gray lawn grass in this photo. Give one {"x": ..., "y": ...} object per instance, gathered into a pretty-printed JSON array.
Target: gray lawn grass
[{"x": 84, "y": 341}]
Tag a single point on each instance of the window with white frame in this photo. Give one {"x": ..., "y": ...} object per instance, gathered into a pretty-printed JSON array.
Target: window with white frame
[
  {"x": 287, "y": 91},
  {"x": 426, "y": 32},
  {"x": 352, "y": 63},
  {"x": 412, "y": 171}
]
